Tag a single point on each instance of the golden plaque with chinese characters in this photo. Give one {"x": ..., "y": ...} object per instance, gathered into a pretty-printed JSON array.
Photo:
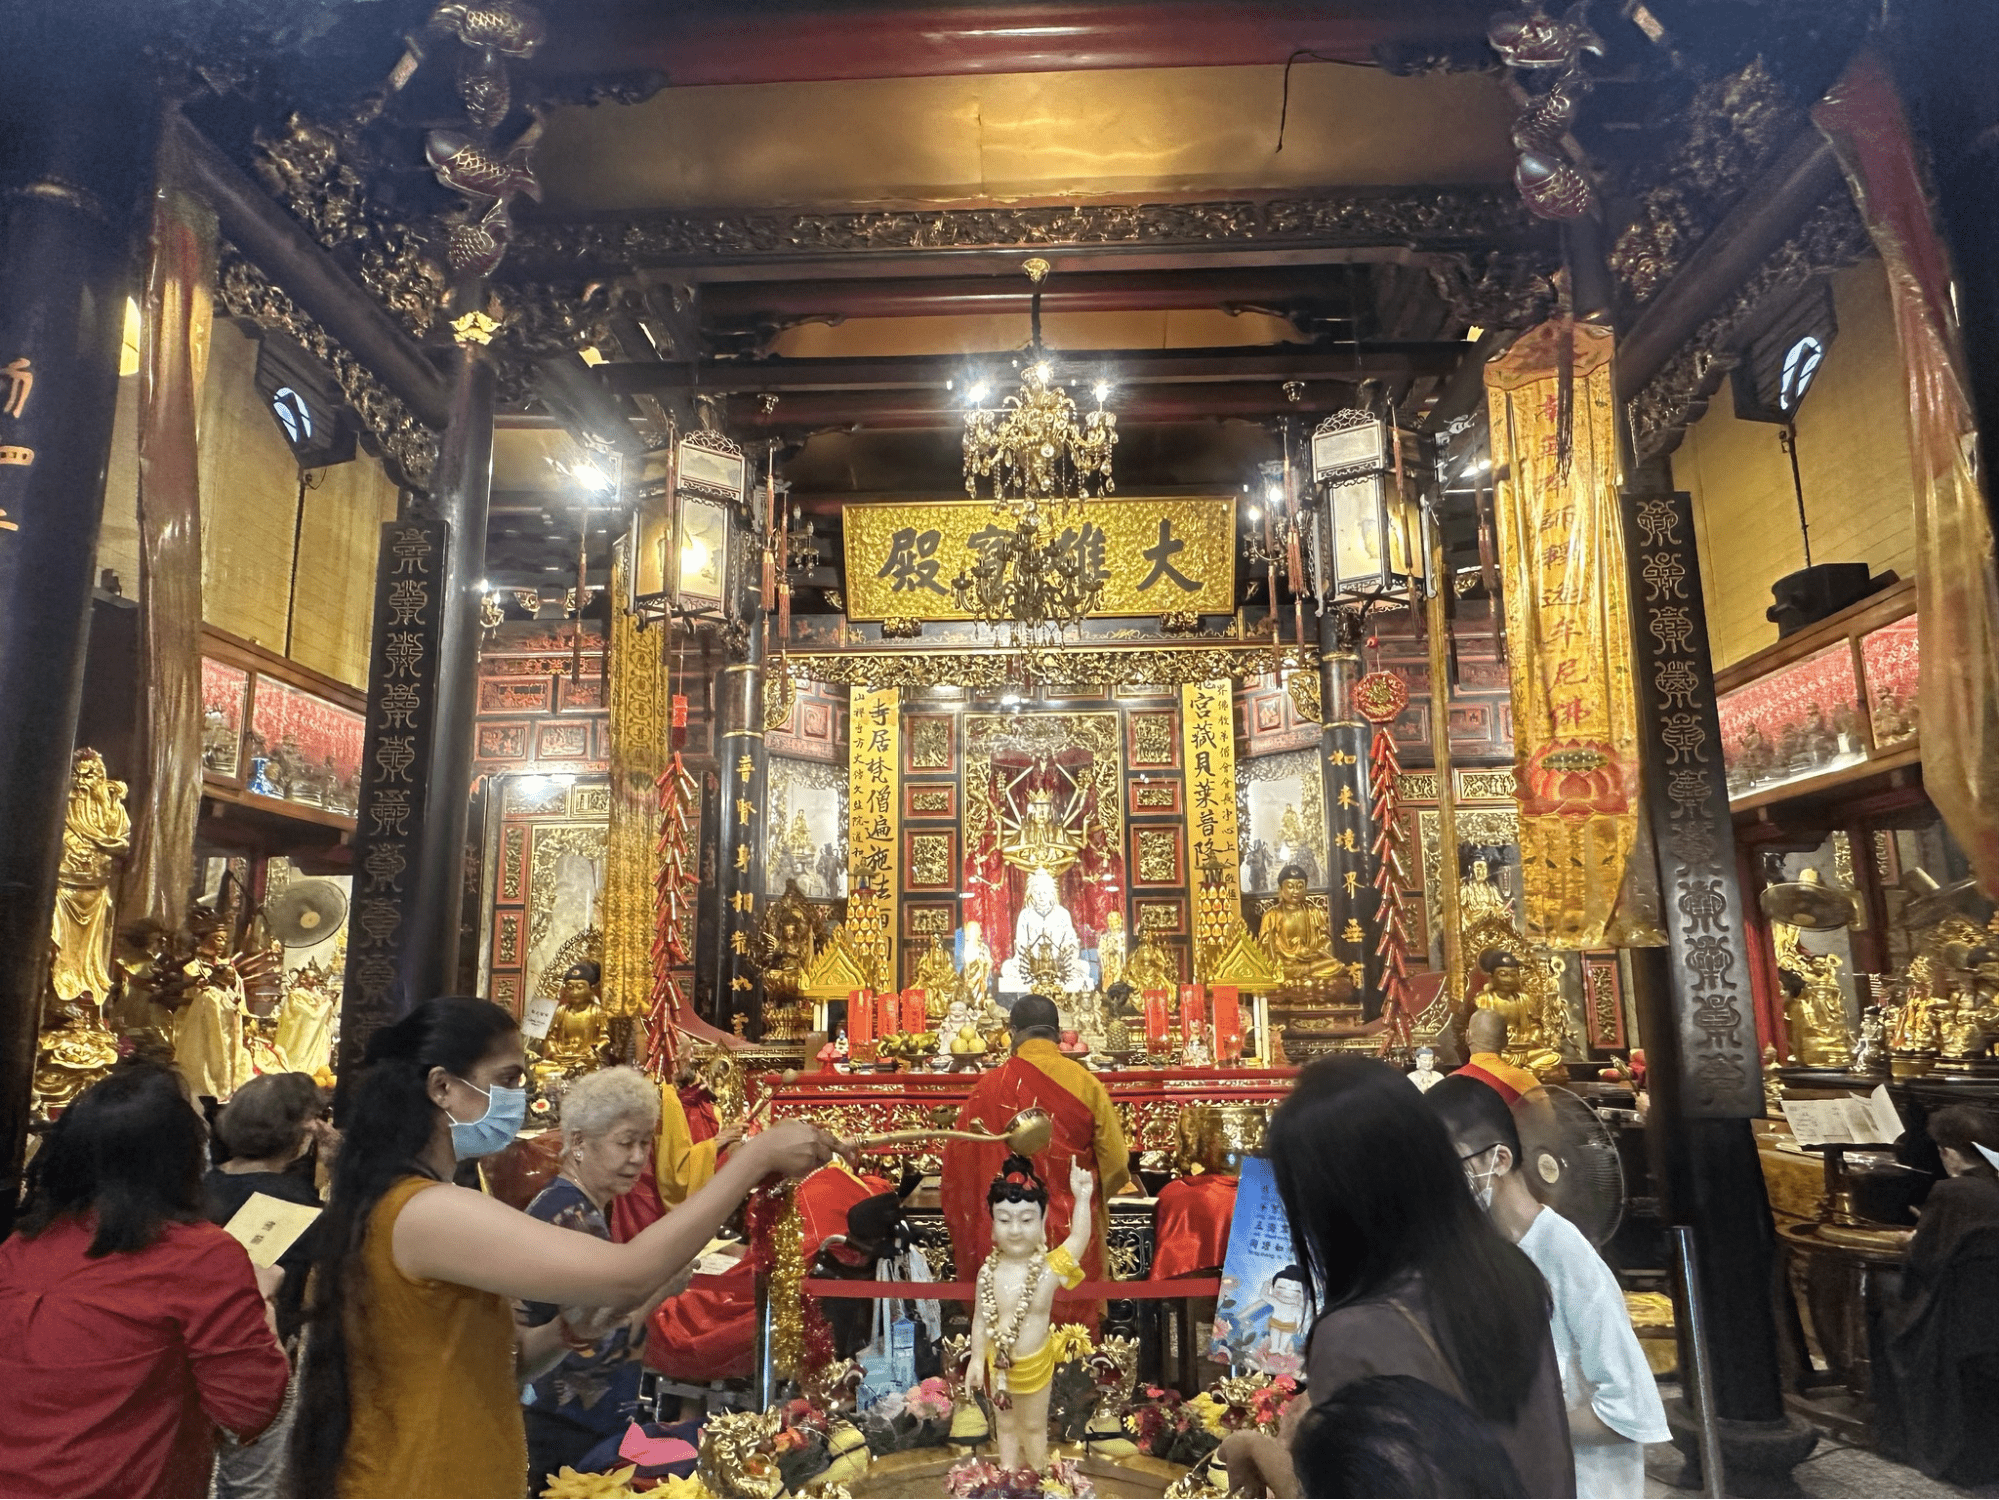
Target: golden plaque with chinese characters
[{"x": 1151, "y": 556}]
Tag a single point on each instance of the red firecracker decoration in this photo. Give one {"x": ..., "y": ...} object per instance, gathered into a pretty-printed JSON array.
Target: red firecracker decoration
[
  {"x": 1380, "y": 697},
  {"x": 674, "y": 890}
]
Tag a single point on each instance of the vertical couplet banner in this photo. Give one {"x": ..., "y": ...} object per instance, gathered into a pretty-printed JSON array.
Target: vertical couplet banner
[
  {"x": 874, "y": 814},
  {"x": 1575, "y": 721},
  {"x": 1207, "y": 724}
]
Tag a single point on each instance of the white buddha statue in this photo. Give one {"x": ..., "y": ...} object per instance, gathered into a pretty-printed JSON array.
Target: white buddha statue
[{"x": 1044, "y": 920}]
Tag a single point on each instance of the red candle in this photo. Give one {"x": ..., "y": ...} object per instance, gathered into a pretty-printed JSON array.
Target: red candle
[
  {"x": 915, "y": 1011},
  {"x": 1155, "y": 1020},
  {"x": 860, "y": 1018},
  {"x": 1191, "y": 1010},
  {"x": 1228, "y": 1024}
]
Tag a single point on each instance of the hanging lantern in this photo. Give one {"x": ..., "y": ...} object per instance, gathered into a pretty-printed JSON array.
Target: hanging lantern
[
  {"x": 1370, "y": 537},
  {"x": 683, "y": 530}
]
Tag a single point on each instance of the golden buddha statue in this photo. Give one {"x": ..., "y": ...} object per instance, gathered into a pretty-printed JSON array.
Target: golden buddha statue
[
  {"x": 580, "y": 1031},
  {"x": 305, "y": 1020},
  {"x": 1296, "y": 934},
  {"x": 1480, "y": 900},
  {"x": 1150, "y": 966},
  {"x": 208, "y": 1026},
  {"x": 1110, "y": 950},
  {"x": 69, "y": 1058},
  {"x": 1962, "y": 1038},
  {"x": 1523, "y": 1001},
  {"x": 787, "y": 939},
  {"x": 1816, "y": 1013},
  {"x": 96, "y": 830},
  {"x": 937, "y": 977}
]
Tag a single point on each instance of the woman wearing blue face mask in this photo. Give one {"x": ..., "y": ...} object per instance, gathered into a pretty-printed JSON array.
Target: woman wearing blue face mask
[{"x": 411, "y": 1379}]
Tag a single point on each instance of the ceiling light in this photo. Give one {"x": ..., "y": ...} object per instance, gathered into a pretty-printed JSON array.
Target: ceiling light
[
  {"x": 1102, "y": 391},
  {"x": 976, "y": 396},
  {"x": 1253, "y": 514},
  {"x": 590, "y": 477}
]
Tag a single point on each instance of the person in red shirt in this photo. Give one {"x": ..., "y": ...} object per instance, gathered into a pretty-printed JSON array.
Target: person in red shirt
[{"x": 133, "y": 1327}]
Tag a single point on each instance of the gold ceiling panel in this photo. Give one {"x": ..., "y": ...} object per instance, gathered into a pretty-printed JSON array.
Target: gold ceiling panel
[{"x": 1010, "y": 136}]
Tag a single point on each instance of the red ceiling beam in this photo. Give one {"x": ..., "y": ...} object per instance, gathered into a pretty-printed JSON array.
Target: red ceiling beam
[{"x": 737, "y": 43}]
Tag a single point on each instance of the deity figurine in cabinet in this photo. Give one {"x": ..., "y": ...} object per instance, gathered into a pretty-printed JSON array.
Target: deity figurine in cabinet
[
  {"x": 937, "y": 977},
  {"x": 1012, "y": 1355},
  {"x": 208, "y": 1024}
]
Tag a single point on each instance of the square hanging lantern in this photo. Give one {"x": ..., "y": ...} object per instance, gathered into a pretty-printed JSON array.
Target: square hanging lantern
[
  {"x": 683, "y": 531},
  {"x": 1371, "y": 541}
]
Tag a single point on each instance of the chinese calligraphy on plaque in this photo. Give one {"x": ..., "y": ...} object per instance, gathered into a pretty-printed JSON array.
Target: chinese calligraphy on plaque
[{"x": 1150, "y": 556}]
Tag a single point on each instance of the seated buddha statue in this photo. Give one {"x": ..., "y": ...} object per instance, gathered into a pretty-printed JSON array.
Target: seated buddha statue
[
  {"x": 1296, "y": 934},
  {"x": 580, "y": 1032},
  {"x": 1509, "y": 995}
]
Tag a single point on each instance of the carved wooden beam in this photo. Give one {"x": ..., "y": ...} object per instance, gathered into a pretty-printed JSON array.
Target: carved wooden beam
[
  {"x": 1768, "y": 213},
  {"x": 269, "y": 237}
]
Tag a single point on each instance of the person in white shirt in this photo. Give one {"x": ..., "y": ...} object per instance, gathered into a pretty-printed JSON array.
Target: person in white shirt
[{"x": 1613, "y": 1401}]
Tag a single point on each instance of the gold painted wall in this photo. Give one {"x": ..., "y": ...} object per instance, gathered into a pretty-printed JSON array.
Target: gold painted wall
[
  {"x": 250, "y": 508},
  {"x": 1853, "y": 459}
]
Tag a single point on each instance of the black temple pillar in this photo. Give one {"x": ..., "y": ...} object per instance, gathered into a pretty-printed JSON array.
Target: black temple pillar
[{"x": 78, "y": 131}]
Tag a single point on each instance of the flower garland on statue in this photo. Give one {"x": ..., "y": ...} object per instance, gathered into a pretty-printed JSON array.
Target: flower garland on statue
[
  {"x": 1380, "y": 697},
  {"x": 1005, "y": 1338}
]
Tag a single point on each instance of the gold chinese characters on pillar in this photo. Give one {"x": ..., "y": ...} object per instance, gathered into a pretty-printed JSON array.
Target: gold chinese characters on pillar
[
  {"x": 1207, "y": 724},
  {"x": 874, "y": 832},
  {"x": 1575, "y": 720}
]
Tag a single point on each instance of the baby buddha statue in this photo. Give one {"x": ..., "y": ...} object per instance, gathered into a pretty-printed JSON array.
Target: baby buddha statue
[
  {"x": 1012, "y": 1358},
  {"x": 580, "y": 1032}
]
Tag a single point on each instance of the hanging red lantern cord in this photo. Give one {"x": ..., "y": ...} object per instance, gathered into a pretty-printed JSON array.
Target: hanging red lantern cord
[
  {"x": 1380, "y": 697},
  {"x": 674, "y": 894}
]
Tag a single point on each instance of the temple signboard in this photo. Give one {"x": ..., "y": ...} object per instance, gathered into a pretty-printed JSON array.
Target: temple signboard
[{"x": 1153, "y": 557}]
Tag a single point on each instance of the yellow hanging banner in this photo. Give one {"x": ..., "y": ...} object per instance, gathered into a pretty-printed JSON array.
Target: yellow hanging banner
[
  {"x": 874, "y": 816},
  {"x": 1207, "y": 725},
  {"x": 1575, "y": 719}
]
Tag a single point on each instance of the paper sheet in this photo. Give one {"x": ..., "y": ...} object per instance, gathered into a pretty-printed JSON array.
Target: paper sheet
[
  {"x": 267, "y": 1227},
  {"x": 1856, "y": 1120}
]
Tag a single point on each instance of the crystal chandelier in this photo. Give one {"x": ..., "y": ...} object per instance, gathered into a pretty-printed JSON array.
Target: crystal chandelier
[{"x": 1036, "y": 573}]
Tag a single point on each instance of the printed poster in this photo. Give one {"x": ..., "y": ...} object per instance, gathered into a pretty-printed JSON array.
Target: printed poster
[{"x": 1264, "y": 1312}]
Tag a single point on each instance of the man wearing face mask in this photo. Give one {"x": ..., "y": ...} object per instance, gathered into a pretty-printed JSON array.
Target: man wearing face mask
[
  {"x": 1613, "y": 1401},
  {"x": 413, "y": 1363}
]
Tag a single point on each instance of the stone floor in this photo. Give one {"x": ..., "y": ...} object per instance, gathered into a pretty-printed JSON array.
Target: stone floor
[{"x": 1835, "y": 1471}]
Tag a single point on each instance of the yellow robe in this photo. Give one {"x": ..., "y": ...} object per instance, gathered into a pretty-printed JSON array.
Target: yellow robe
[{"x": 681, "y": 1164}]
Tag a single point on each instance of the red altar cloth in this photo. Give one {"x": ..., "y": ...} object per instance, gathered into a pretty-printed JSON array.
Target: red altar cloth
[
  {"x": 1191, "y": 1225},
  {"x": 708, "y": 1332}
]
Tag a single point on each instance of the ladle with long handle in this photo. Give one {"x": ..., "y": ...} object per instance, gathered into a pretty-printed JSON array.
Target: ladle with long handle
[{"x": 1027, "y": 1134}]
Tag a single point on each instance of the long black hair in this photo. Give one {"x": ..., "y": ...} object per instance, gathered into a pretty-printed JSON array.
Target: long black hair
[
  {"x": 387, "y": 1125},
  {"x": 1394, "y": 1435},
  {"x": 129, "y": 1150},
  {"x": 1372, "y": 1185}
]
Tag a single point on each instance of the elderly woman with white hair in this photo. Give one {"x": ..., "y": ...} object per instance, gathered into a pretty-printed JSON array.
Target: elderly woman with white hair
[{"x": 584, "y": 1362}]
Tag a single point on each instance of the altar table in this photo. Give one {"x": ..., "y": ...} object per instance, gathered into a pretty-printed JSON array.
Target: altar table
[{"x": 1148, "y": 1101}]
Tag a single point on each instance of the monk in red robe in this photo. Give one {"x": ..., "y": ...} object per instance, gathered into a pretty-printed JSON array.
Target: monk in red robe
[{"x": 1037, "y": 1076}]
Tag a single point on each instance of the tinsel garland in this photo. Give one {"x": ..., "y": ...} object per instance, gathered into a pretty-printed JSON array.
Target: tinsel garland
[
  {"x": 801, "y": 1340},
  {"x": 1390, "y": 867}
]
